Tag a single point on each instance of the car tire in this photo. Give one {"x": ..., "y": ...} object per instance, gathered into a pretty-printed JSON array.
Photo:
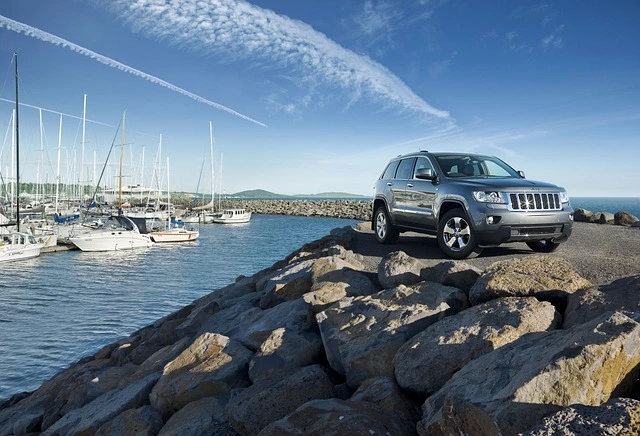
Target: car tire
[
  {"x": 456, "y": 236},
  {"x": 546, "y": 246},
  {"x": 386, "y": 233}
]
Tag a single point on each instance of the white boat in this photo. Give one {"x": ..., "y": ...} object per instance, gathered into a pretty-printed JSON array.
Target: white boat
[
  {"x": 233, "y": 216},
  {"x": 18, "y": 246},
  {"x": 119, "y": 232},
  {"x": 175, "y": 232}
]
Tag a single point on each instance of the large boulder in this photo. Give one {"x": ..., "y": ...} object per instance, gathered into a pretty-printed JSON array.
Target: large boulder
[
  {"x": 362, "y": 334},
  {"x": 88, "y": 418},
  {"x": 250, "y": 410},
  {"x": 398, "y": 268},
  {"x": 211, "y": 366},
  {"x": 334, "y": 285},
  {"x": 542, "y": 276},
  {"x": 623, "y": 218},
  {"x": 623, "y": 295},
  {"x": 582, "y": 215},
  {"x": 144, "y": 420},
  {"x": 518, "y": 384},
  {"x": 429, "y": 359},
  {"x": 288, "y": 283},
  {"x": 603, "y": 218},
  {"x": 618, "y": 416},
  {"x": 200, "y": 417},
  {"x": 454, "y": 273},
  {"x": 334, "y": 417},
  {"x": 283, "y": 352}
]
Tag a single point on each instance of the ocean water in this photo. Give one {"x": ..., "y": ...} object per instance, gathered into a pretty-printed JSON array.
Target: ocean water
[
  {"x": 608, "y": 204},
  {"x": 59, "y": 307}
]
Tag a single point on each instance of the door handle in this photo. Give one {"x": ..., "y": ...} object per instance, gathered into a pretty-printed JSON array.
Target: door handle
[
  {"x": 389, "y": 184},
  {"x": 409, "y": 185}
]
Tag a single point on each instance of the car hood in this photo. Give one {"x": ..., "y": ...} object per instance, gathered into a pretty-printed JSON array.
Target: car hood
[{"x": 504, "y": 183}]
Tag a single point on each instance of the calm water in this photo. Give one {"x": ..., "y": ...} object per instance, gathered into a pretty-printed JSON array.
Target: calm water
[
  {"x": 608, "y": 204},
  {"x": 60, "y": 307}
]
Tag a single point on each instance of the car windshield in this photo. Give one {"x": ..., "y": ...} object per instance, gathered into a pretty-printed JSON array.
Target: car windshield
[{"x": 462, "y": 165}]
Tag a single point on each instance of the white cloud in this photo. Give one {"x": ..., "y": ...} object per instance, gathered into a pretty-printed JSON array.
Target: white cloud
[
  {"x": 239, "y": 30},
  {"x": 377, "y": 17},
  {"x": 554, "y": 39},
  {"x": 48, "y": 37}
]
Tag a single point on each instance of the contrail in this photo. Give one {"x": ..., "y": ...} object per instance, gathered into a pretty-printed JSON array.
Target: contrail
[{"x": 48, "y": 37}]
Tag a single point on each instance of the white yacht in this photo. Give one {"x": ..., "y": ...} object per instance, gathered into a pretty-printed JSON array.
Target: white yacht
[
  {"x": 233, "y": 216},
  {"x": 18, "y": 246},
  {"x": 119, "y": 232}
]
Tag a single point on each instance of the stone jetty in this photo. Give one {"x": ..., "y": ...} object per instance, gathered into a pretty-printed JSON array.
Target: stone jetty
[{"x": 325, "y": 342}]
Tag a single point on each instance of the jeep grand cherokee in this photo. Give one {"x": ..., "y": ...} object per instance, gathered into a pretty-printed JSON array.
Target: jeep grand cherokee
[{"x": 468, "y": 201}]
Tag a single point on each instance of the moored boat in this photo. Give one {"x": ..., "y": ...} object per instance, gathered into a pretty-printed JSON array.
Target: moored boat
[
  {"x": 175, "y": 232},
  {"x": 233, "y": 216},
  {"x": 119, "y": 232},
  {"x": 18, "y": 246}
]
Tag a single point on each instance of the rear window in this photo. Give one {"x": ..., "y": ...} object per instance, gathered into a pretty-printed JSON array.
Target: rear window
[
  {"x": 405, "y": 170},
  {"x": 390, "y": 171}
]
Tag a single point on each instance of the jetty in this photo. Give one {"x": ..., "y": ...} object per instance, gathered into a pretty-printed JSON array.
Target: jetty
[{"x": 340, "y": 338}]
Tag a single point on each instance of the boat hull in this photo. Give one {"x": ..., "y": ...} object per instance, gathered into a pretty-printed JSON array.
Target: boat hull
[
  {"x": 110, "y": 241},
  {"x": 169, "y": 236},
  {"x": 18, "y": 247}
]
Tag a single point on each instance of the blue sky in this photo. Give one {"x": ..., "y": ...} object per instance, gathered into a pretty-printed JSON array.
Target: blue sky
[{"x": 316, "y": 96}]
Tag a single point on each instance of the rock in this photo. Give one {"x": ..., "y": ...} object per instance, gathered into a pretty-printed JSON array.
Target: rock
[
  {"x": 211, "y": 366},
  {"x": 623, "y": 295},
  {"x": 336, "y": 417},
  {"x": 623, "y": 218},
  {"x": 142, "y": 421},
  {"x": 156, "y": 362},
  {"x": 429, "y": 359},
  {"x": 283, "y": 352},
  {"x": 392, "y": 402},
  {"x": 250, "y": 410},
  {"x": 518, "y": 384},
  {"x": 618, "y": 416},
  {"x": 582, "y": 215},
  {"x": 200, "y": 417},
  {"x": 603, "y": 218},
  {"x": 454, "y": 273},
  {"x": 397, "y": 268},
  {"x": 293, "y": 279},
  {"x": 88, "y": 418},
  {"x": 545, "y": 277},
  {"x": 362, "y": 334},
  {"x": 364, "y": 226}
]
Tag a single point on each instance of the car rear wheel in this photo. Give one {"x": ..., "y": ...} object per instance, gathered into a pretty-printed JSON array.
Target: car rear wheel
[
  {"x": 385, "y": 232},
  {"x": 546, "y": 246},
  {"x": 456, "y": 237}
]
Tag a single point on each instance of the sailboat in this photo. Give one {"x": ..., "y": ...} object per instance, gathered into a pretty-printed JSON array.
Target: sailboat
[
  {"x": 174, "y": 231},
  {"x": 119, "y": 232},
  {"x": 18, "y": 245}
]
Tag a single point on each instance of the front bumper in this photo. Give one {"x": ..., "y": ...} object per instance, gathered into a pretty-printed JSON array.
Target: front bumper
[{"x": 495, "y": 226}]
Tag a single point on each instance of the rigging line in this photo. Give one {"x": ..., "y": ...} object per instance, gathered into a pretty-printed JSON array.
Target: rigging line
[{"x": 55, "y": 112}]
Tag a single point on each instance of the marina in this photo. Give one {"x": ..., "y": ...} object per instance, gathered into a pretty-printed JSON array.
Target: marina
[{"x": 59, "y": 307}]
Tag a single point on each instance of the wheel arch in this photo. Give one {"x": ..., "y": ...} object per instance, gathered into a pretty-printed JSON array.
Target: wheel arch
[{"x": 376, "y": 204}]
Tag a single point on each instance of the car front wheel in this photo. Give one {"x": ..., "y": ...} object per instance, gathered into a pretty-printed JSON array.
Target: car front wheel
[
  {"x": 456, "y": 237},
  {"x": 385, "y": 232}
]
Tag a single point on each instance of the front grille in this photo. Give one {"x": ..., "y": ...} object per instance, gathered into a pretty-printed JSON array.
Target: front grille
[{"x": 535, "y": 201}]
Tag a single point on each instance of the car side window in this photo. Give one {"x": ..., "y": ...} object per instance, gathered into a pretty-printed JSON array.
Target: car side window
[
  {"x": 405, "y": 169},
  {"x": 390, "y": 171},
  {"x": 422, "y": 162}
]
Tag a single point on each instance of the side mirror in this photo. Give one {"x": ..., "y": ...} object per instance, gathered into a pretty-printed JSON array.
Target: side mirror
[
  {"x": 426, "y": 174},
  {"x": 521, "y": 174}
]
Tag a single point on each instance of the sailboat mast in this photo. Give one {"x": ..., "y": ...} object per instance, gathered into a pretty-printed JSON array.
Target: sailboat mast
[
  {"x": 121, "y": 154},
  {"x": 58, "y": 166},
  {"x": 17, "y": 151},
  {"x": 212, "y": 175}
]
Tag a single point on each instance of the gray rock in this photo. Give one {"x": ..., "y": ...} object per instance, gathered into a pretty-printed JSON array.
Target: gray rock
[
  {"x": 582, "y": 215},
  {"x": 603, "y": 218},
  {"x": 397, "y": 268},
  {"x": 88, "y": 418},
  {"x": 202, "y": 418},
  {"x": 518, "y": 384},
  {"x": 362, "y": 334},
  {"x": 429, "y": 359},
  {"x": 623, "y": 295},
  {"x": 623, "y": 218},
  {"x": 543, "y": 276},
  {"x": 143, "y": 421},
  {"x": 283, "y": 352},
  {"x": 454, "y": 273},
  {"x": 616, "y": 417},
  {"x": 211, "y": 366},
  {"x": 251, "y": 409}
]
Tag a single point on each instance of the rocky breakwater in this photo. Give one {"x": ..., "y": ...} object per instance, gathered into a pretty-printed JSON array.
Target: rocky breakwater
[
  {"x": 352, "y": 209},
  {"x": 327, "y": 342},
  {"x": 620, "y": 218}
]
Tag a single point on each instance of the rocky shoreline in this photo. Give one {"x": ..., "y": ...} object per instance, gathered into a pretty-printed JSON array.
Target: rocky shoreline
[{"x": 324, "y": 342}]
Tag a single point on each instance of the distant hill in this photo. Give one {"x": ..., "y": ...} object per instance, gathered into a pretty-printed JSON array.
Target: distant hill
[{"x": 262, "y": 194}]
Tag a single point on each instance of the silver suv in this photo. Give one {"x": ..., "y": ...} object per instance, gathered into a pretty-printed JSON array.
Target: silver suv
[{"x": 469, "y": 202}]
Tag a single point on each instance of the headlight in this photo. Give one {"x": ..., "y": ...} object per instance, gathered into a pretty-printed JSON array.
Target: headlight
[
  {"x": 488, "y": 196},
  {"x": 564, "y": 197}
]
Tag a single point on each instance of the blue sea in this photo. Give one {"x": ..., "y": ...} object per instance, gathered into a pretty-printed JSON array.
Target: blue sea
[
  {"x": 60, "y": 307},
  {"x": 608, "y": 204}
]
